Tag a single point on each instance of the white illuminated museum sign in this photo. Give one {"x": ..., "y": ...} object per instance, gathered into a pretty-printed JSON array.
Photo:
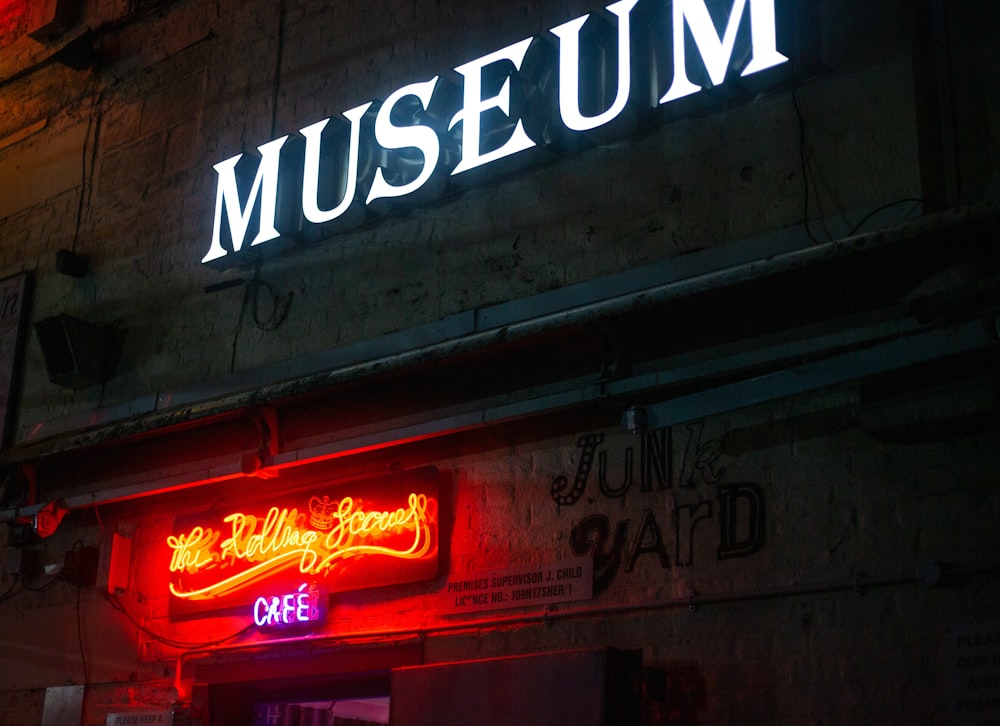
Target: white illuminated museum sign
[{"x": 579, "y": 83}]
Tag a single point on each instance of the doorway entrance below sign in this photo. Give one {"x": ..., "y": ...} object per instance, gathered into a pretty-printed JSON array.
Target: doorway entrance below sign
[{"x": 369, "y": 711}]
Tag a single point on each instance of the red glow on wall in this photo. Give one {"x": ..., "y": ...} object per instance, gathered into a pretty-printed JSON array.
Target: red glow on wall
[
  {"x": 360, "y": 535},
  {"x": 11, "y": 11}
]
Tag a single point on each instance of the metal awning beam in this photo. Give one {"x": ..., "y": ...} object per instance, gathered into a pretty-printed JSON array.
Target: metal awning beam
[{"x": 871, "y": 353}]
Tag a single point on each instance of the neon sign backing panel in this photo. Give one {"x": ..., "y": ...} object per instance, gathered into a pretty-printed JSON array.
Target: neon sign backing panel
[{"x": 344, "y": 537}]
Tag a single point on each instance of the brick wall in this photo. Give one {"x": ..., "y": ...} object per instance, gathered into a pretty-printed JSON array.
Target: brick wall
[
  {"x": 805, "y": 609},
  {"x": 177, "y": 91},
  {"x": 821, "y": 618}
]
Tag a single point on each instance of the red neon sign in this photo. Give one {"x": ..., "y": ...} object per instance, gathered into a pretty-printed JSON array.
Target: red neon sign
[{"x": 377, "y": 533}]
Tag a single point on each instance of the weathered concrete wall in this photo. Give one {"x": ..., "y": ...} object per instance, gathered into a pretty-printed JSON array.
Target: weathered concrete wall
[
  {"x": 797, "y": 536},
  {"x": 116, "y": 163},
  {"x": 178, "y": 91}
]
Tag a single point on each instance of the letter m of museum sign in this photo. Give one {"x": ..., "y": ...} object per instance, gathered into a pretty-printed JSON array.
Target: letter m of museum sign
[{"x": 579, "y": 83}]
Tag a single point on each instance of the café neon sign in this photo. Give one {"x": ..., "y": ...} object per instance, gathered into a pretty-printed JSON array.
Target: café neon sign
[
  {"x": 504, "y": 111},
  {"x": 317, "y": 541},
  {"x": 292, "y": 608}
]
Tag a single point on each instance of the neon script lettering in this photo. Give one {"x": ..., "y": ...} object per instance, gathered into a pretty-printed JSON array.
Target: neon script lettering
[
  {"x": 190, "y": 551},
  {"x": 312, "y": 542},
  {"x": 424, "y": 135}
]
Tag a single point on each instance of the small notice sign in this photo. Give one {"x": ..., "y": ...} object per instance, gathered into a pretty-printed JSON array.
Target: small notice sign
[
  {"x": 973, "y": 668},
  {"x": 141, "y": 718},
  {"x": 519, "y": 587}
]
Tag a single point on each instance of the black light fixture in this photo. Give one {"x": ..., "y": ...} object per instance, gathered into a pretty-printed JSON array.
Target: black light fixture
[
  {"x": 15, "y": 487},
  {"x": 78, "y": 354},
  {"x": 53, "y": 18},
  {"x": 71, "y": 263},
  {"x": 78, "y": 54}
]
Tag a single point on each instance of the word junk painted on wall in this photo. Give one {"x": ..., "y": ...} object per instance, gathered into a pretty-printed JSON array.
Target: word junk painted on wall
[
  {"x": 586, "y": 81},
  {"x": 678, "y": 477}
]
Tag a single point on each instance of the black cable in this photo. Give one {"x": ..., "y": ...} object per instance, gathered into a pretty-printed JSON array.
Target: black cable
[
  {"x": 802, "y": 163},
  {"x": 239, "y": 329},
  {"x": 172, "y": 642},
  {"x": 859, "y": 225},
  {"x": 805, "y": 180},
  {"x": 83, "y": 658},
  {"x": 11, "y": 591},
  {"x": 5, "y": 596},
  {"x": 86, "y": 187},
  {"x": 97, "y": 515},
  {"x": 79, "y": 638},
  {"x": 279, "y": 54},
  {"x": 46, "y": 586}
]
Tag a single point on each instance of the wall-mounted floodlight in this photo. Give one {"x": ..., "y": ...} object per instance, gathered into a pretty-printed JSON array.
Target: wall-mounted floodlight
[
  {"x": 71, "y": 263},
  {"x": 52, "y": 18},
  {"x": 78, "y": 354}
]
